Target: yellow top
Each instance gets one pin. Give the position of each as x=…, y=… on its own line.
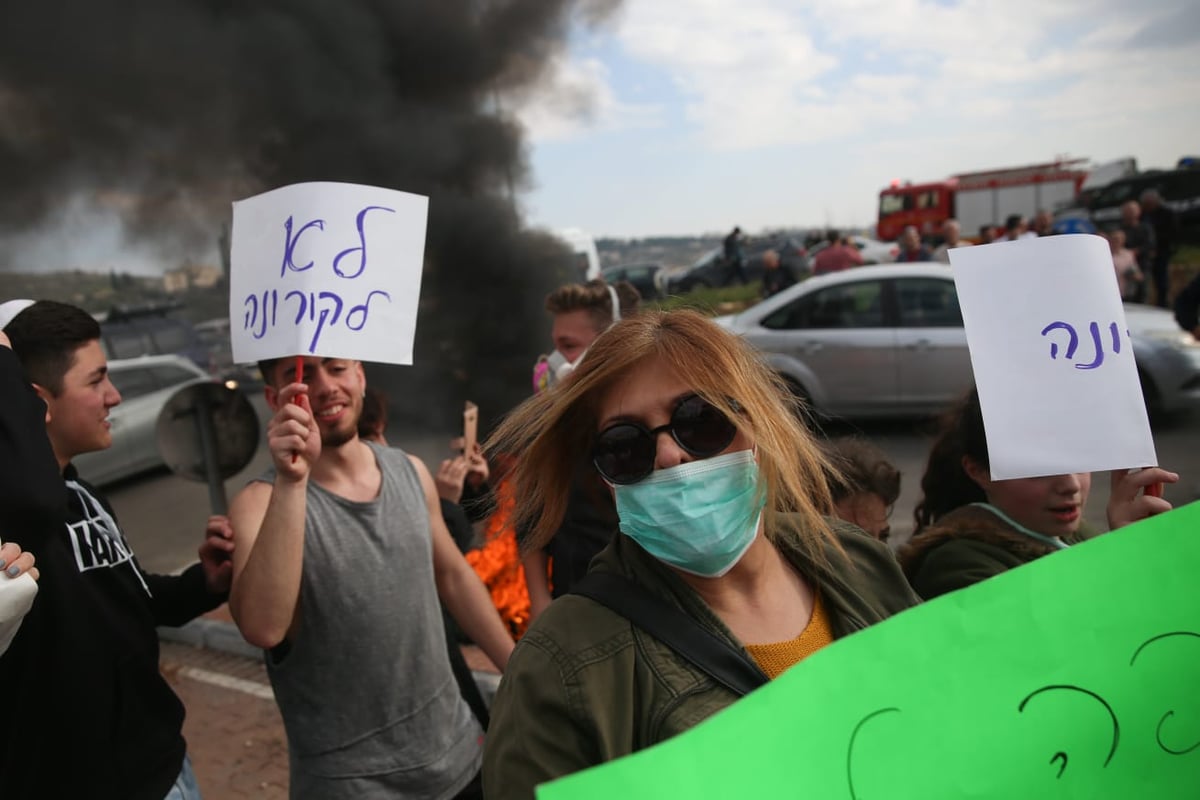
x=773, y=659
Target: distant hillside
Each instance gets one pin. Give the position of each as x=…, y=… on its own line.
x=96, y=292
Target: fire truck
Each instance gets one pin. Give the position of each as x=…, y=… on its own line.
x=976, y=199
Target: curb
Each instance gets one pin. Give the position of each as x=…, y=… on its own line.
x=223, y=637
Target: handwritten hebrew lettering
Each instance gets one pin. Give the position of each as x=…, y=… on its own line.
x=1066, y=687
x=1177, y=637
x=1073, y=342
x=361, y=249
x=850, y=747
x=1094, y=328
x=289, y=245
x=1071, y=346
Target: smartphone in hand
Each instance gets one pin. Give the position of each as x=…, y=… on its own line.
x=470, y=427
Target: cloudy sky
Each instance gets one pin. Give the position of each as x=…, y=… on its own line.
x=708, y=113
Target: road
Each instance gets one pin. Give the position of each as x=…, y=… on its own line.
x=163, y=515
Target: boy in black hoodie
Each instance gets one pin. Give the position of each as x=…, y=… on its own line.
x=93, y=716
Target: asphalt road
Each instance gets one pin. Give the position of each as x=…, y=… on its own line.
x=163, y=515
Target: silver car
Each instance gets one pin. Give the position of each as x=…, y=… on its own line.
x=888, y=341
x=145, y=385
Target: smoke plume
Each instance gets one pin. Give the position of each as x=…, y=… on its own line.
x=167, y=110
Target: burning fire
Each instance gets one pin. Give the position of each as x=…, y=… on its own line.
x=498, y=564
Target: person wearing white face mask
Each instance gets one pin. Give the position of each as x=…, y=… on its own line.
x=581, y=313
x=695, y=437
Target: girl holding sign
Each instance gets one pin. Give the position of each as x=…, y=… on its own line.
x=694, y=437
x=970, y=527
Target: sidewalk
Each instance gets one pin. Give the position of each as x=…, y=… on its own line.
x=233, y=729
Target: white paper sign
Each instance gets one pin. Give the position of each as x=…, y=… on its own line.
x=326, y=269
x=1052, y=357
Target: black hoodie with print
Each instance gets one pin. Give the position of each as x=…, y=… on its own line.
x=88, y=712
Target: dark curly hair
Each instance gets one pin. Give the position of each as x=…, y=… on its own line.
x=945, y=486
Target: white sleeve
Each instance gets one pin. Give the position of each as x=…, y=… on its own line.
x=16, y=598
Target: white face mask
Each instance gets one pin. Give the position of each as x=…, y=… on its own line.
x=558, y=368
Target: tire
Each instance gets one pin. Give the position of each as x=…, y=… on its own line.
x=802, y=406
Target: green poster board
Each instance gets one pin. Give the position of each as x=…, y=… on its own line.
x=1076, y=676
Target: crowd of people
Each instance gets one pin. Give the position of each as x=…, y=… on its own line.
x=661, y=484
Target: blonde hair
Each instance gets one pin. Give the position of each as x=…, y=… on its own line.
x=595, y=297
x=553, y=431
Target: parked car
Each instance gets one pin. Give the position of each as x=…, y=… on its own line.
x=132, y=331
x=1180, y=190
x=644, y=277
x=888, y=341
x=711, y=269
x=145, y=384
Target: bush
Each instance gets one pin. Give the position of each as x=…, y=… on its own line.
x=723, y=300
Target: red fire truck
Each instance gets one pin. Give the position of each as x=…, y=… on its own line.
x=976, y=199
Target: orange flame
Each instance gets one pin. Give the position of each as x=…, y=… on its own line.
x=498, y=564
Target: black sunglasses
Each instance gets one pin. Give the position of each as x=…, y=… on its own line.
x=625, y=452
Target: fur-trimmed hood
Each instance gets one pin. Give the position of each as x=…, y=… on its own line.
x=978, y=524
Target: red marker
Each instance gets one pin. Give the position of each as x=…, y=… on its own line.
x=300, y=379
x=1154, y=490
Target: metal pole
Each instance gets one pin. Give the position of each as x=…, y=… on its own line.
x=208, y=451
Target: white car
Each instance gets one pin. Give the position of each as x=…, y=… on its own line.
x=888, y=341
x=874, y=251
x=145, y=384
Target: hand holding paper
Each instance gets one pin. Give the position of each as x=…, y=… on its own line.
x=1132, y=497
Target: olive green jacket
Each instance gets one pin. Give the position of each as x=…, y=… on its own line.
x=585, y=686
x=968, y=545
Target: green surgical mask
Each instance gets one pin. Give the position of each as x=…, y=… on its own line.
x=699, y=517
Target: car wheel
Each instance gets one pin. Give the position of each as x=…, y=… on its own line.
x=801, y=404
x=1150, y=394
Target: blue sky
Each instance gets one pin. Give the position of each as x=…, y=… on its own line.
x=765, y=113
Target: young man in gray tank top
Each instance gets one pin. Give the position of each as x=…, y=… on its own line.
x=342, y=555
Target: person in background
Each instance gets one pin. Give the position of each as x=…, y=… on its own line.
x=733, y=248
x=1016, y=227
x=911, y=248
x=1139, y=237
x=863, y=482
x=776, y=277
x=1165, y=224
x=342, y=560
x=970, y=527
x=1043, y=223
x=952, y=232
x=1187, y=307
x=96, y=717
x=692, y=433
x=1125, y=265
x=580, y=314
x=987, y=234
x=839, y=255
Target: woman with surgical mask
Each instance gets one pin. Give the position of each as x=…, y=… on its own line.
x=695, y=439
x=581, y=313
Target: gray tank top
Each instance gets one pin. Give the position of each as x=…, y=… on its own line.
x=366, y=691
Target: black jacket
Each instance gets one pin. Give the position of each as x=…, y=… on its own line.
x=90, y=714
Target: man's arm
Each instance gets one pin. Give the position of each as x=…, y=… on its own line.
x=268, y=528
x=459, y=588
x=178, y=599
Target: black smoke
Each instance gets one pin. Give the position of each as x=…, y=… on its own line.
x=170, y=109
